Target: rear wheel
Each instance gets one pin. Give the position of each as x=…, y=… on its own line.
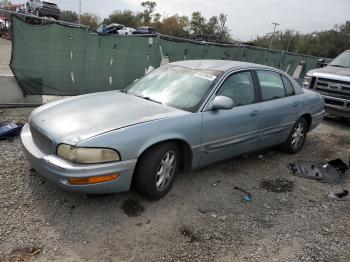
x=156, y=170
x=297, y=137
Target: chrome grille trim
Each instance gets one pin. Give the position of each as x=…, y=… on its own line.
x=339, y=90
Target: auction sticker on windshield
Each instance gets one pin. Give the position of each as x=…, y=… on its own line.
x=206, y=76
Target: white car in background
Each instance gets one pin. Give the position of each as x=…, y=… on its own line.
x=126, y=31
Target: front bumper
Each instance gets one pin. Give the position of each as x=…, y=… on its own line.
x=337, y=106
x=58, y=170
x=339, y=112
x=49, y=12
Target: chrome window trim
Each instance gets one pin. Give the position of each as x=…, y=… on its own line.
x=205, y=105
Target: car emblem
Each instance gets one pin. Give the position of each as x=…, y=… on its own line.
x=335, y=86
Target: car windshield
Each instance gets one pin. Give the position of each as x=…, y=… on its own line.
x=342, y=60
x=175, y=86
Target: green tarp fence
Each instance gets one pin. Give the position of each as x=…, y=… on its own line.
x=59, y=60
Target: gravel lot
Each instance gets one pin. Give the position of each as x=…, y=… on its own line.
x=5, y=57
x=202, y=219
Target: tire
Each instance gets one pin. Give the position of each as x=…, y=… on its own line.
x=149, y=178
x=297, y=137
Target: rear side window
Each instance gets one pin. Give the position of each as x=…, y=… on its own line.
x=271, y=85
x=288, y=86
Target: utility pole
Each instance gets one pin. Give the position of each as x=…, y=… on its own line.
x=274, y=31
x=79, y=10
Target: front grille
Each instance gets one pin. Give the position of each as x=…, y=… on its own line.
x=41, y=140
x=332, y=87
x=333, y=102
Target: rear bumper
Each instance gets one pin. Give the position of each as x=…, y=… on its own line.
x=58, y=170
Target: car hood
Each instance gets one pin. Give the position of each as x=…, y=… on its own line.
x=75, y=119
x=49, y=2
x=332, y=70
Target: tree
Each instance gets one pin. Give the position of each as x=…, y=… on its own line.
x=126, y=17
x=146, y=15
x=172, y=25
x=197, y=23
x=185, y=23
x=328, y=43
x=212, y=27
x=157, y=17
x=69, y=16
x=90, y=20
x=286, y=40
x=223, y=33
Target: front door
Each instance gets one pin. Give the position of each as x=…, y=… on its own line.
x=231, y=132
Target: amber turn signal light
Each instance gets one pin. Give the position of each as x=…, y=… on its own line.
x=92, y=180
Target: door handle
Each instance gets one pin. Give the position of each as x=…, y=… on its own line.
x=254, y=113
x=296, y=104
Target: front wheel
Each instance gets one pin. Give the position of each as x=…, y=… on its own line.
x=297, y=137
x=156, y=170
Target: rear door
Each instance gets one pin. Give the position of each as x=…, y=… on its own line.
x=227, y=133
x=279, y=107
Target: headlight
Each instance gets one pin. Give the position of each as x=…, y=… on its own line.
x=306, y=82
x=86, y=155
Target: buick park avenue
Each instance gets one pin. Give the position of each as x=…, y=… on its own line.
x=181, y=116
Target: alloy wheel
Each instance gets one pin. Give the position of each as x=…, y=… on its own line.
x=298, y=135
x=166, y=170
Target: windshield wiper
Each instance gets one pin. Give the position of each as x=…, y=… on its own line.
x=148, y=98
x=340, y=66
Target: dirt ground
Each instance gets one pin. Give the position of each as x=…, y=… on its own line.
x=202, y=219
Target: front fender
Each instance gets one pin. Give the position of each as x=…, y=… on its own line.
x=132, y=141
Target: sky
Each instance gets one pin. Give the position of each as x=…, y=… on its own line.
x=246, y=18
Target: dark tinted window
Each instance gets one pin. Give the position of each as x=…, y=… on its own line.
x=271, y=85
x=288, y=86
x=240, y=88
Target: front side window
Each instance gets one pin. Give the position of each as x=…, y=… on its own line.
x=176, y=86
x=271, y=85
x=240, y=88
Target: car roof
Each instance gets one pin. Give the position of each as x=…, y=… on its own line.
x=218, y=65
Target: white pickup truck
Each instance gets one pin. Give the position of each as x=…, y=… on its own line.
x=333, y=82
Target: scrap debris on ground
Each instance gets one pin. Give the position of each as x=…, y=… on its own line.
x=331, y=172
x=289, y=219
x=10, y=129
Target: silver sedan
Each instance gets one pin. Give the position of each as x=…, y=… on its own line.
x=181, y=116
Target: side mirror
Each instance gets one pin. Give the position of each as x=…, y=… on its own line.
x=321, y=62
x=222, y=102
